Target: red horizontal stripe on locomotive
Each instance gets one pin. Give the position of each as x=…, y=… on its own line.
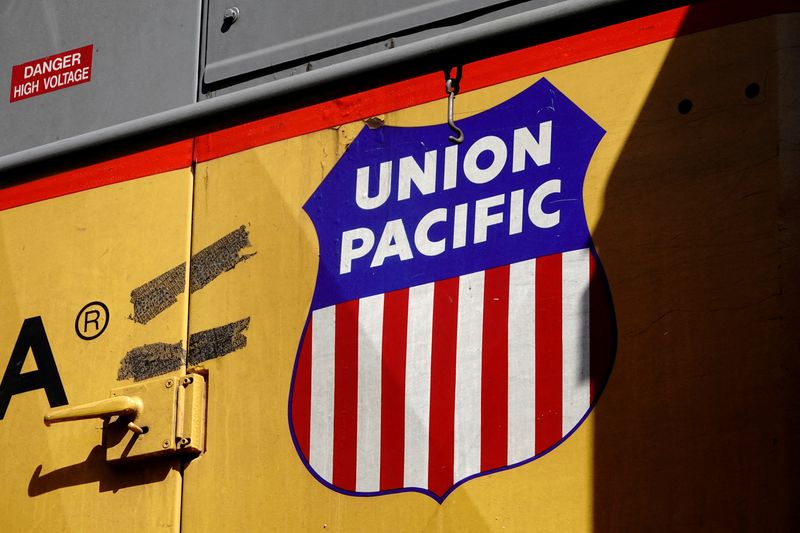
x=427, y=386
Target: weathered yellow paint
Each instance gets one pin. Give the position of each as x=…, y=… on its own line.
x=695, y=217
x=693, y=430
x=55, y=257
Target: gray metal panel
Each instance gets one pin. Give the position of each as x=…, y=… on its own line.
x=145, y=62
x=326, y=82
x=269, y=34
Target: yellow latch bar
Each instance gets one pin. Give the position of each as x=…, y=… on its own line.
x=165, y=414
x=121, y=406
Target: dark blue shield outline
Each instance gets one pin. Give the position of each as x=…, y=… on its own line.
x=530, y=205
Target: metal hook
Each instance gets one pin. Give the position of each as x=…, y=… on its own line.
x=452, y=87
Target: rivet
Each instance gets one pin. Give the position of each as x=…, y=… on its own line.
x=165, y=444
x=185, y=441
x=168, y=384
x=187, y=380
x=231, y=15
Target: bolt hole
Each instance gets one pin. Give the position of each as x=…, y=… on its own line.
x=145, y=429
x=752, y=90
x=684, y=106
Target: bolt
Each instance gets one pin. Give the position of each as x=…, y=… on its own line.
x=231, y=15
x=165, y=444
x=168, y=384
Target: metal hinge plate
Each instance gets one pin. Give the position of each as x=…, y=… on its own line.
x=172, y=420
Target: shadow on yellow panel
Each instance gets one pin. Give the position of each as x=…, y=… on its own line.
x=698, y=426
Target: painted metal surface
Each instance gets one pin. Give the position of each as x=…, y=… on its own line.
x=197, y=116
x=449, y=332
x=55, y=256
x=690, y=199
x=689, y=240
x=144, y=62
x=277, y=35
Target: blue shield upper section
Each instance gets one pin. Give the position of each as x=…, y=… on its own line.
x=405, y=206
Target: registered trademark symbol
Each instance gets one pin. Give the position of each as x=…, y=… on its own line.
x=91, y=321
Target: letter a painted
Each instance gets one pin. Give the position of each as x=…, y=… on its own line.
x=32, y=338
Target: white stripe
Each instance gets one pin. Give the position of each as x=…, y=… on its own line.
x=370, y=337
x=323, y=333
x=418, y=386
x=575, y=330
x=469, y=334
x=521, y=361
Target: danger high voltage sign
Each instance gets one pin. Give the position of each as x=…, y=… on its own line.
x=51, y=73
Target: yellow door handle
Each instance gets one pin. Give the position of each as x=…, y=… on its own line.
x=166, y=415
x=123, y=406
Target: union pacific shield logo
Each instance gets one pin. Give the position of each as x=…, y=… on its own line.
x=461, y=323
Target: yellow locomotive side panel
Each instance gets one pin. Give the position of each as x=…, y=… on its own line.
x=685, y=208
x=625, y=199
x=56, y=257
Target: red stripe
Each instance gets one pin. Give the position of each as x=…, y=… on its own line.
x=301, y=395
x=547, y=56
x=548, y=351
x=600, y=329
x=443, y=385
x=513, y=65
x=494, y=369
x=345, y=400
x=155, y=161
x=537, y=59
x=393, y=388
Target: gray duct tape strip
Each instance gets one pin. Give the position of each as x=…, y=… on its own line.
x=158, y=294
x=150, y=360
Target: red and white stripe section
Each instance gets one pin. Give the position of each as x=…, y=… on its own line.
x=423, y=387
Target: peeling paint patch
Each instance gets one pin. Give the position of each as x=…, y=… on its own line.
x=157, y=295
x=217, y=342
x=152, y=360
x=374, y=123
